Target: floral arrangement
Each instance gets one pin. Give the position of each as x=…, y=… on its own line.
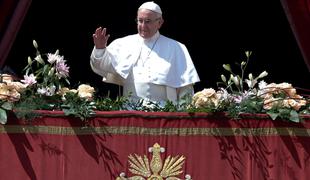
x=277, y=100
x=46, y=87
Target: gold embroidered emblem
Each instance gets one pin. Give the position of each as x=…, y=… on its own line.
x=154, y=170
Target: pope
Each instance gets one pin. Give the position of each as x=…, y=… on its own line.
x=148, y=65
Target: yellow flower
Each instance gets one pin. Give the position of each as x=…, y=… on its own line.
x=206, y=97
x=62, y=91
x=291, y=99
x=18, y=86
x=9, y=92
x=4, y=91
x=85, y=91
x=6, y=78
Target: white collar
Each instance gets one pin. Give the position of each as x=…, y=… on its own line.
x=151, y=39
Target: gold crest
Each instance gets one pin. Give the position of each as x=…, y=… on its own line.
x=156, y=169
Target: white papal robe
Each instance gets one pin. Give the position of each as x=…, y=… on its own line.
x=157, y=69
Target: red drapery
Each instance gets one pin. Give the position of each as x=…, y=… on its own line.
x=215, y=147
x=12, y=14
x=298, y=14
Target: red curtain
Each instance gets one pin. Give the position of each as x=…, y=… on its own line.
x=298, y=14
x=214, y=146
x=12, y=13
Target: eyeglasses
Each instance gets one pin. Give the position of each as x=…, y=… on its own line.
x=146, y=21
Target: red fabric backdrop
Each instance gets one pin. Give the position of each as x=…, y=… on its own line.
x=298, y=14
x=215, y=147
x=12, y=13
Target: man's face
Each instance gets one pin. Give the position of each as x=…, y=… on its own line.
x=148, y=22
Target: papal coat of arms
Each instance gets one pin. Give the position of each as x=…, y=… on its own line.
x=156, y=169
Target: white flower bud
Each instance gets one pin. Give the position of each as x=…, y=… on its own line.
x=248, y=53
x=243, y=63
x=35, y=44
x=39, y=59
x=223, y=78
x=249, y=83
x=51, y=72
x=29, y=60
x=235, y=80
x=263, y=74
x=250, y=76
x=231, y=77
x=227, y=67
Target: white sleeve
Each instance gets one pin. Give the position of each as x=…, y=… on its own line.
x=100, y=62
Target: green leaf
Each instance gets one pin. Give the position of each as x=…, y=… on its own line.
x=7, y=106
x=69, y=112
x=294, y=116
x=3, y=116
x=273, y=115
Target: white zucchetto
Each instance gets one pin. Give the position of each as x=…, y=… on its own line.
x=151, y=6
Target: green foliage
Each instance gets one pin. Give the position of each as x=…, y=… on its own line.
x=5, y=106
x=30, y=101
x=251, y=104
x=170, y=107
x=109, y=104
x=77, y=106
